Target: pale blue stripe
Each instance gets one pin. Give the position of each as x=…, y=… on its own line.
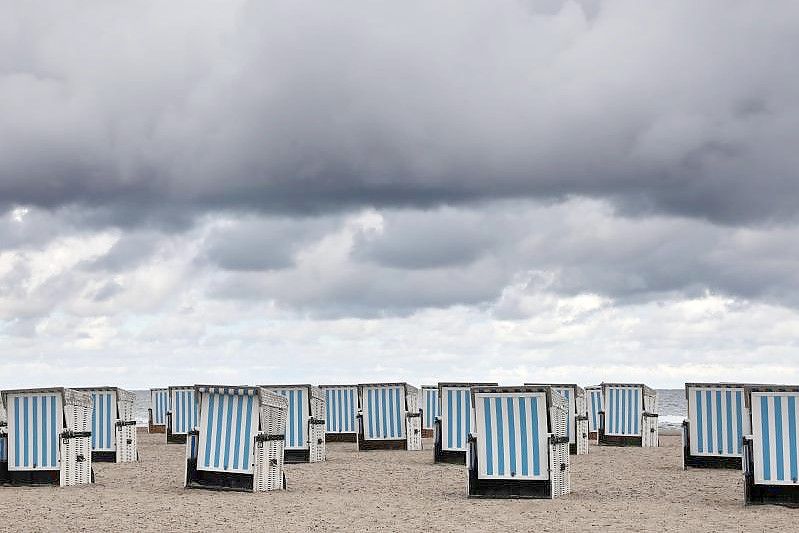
x=764, y=428
x=460, y=421
x=35, y=408
x=16, y=431
x=218, y=446
x=511, y=437
x=719, y=424
x=398, y=412
x=523, y=434
x=291, y=414
x=228, y=430
x=54, y=435
x=709, y=403
x=449, y=418
x=500, y=438
x=700, y=445
x=792, y=436
x=778, y=444
x=209, y=429
x=371, y=413
x=391, y=412
x=383, y=408
x=247, y=434
x=488, y=433
x=728, y=397
x=534, y=420
x=237, y=442
x=739, y=412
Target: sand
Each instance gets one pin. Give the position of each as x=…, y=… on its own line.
x=614, y=489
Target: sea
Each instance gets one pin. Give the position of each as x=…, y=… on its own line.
x=671, y=403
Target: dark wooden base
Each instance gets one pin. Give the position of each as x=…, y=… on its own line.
x=428, y=433
x=152, y=428
x=172, y=438
x=697, y=461
x=341, y=437
x=200, y=479
x=618, y=440
x=394, y=444
x=296, y=456
x=592, y=435
x=104, y=457
x=449, y=457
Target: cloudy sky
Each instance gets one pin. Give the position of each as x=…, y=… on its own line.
x=300, y=191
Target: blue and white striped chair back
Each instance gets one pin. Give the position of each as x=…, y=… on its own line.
x=457, y=418
x=719, y=420
x=430, y=407
x=104, y=414
x=383, y=412
x=595, y=405
x=229, y=420
x=623, y=410
x=183, y=406
x=512, y=433
x=341, y=409
x=297, y=417
x=159, y=404
x=35, y=421
x=775, y=425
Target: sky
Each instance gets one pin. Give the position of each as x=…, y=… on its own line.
x=269, y=191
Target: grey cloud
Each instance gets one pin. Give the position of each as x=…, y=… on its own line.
x=297, y=108
x=262, y=244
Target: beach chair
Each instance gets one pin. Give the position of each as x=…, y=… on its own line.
x=47, y=437
x=595, y=406
x=156, y=413
x=771, y=452
x=718, y=418
x=113, y=425
x=238, y=443
x=630, y=415
x=389, y=418
x=181, y=415
x=519, y=447
x=341, y=412
x=577, y=421
x=431, y=409
x=305, y=424
x=453, y=425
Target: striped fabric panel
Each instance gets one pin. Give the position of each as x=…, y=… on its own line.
x=512, y=436
x=341, y=409
x=3, y=448
x=775, y=425
x=595, y=405
x=431, y=407
x=457, y=418
x=104, y=413
x=34, y=422
x=568, y=393
x=718, y=420
x=623, y=411
x=297, y=416
x=183, y=406
x=158, y=403
x=384, y=412
x=228, y=424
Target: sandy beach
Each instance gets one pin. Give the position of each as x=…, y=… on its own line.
x=614, y=489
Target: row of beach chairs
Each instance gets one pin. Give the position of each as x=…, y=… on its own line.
x=514, y=441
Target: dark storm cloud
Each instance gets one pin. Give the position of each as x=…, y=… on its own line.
x=163, y=112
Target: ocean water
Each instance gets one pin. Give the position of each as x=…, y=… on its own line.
x=671, y=403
